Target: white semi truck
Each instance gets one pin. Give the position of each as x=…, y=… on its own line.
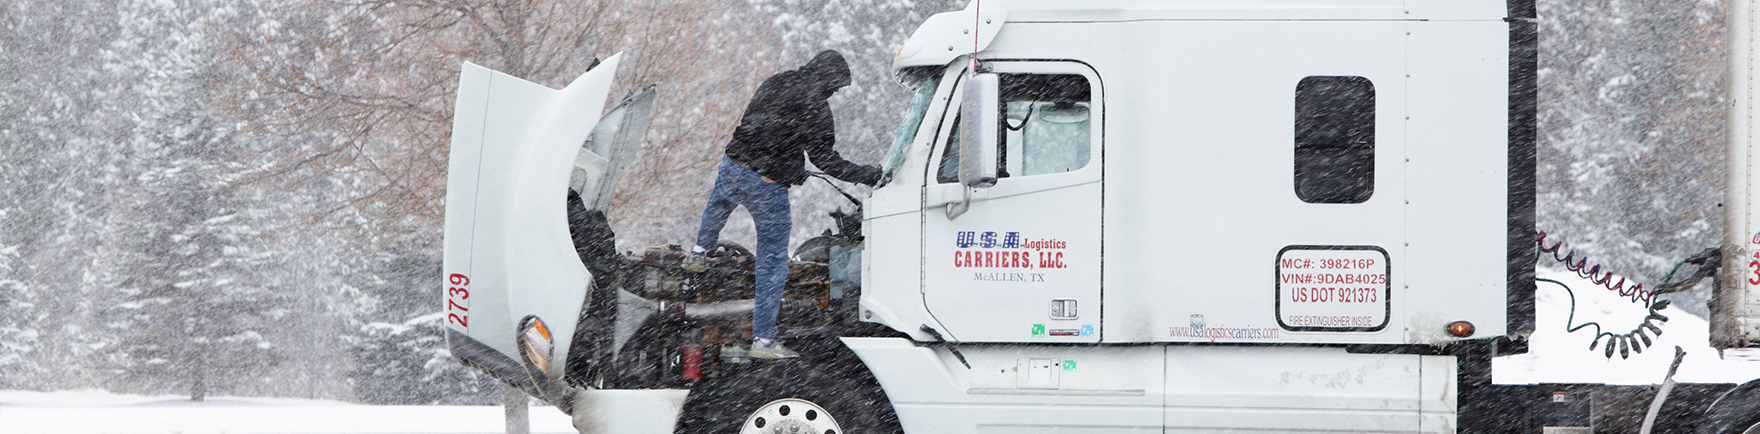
x=1103, y=216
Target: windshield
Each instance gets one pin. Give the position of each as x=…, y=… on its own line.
x=913, y=118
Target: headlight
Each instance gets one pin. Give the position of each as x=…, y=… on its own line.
x=535, y=343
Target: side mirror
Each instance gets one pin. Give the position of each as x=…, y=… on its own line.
x=979, y=113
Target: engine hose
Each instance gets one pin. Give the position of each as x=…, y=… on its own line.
x=1629, y=342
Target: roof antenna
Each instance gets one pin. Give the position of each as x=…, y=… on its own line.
x=977, y=12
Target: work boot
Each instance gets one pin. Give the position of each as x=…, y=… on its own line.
x=771, y=350
x=696, y=262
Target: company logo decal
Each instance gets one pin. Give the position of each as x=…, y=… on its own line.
x=1197, y=330
x=1007, y=250
x=1215, y=333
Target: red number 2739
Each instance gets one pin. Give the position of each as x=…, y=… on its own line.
x=458, y=289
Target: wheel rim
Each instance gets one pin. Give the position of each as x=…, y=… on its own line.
x=791, y=416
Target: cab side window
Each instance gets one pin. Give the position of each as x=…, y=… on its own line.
x=1335, y=139
x=949, y=171
x=1045, y=127
x=1045, y=122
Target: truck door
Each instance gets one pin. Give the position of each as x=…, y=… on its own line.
x=1020, y=260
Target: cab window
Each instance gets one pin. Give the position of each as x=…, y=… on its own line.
x=1046, y=123
x=949, y=171
x=1045, y=127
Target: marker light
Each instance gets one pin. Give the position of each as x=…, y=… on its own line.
x=1460, y=329
x=537, y=344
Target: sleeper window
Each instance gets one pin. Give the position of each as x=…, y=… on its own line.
x=1335, y=139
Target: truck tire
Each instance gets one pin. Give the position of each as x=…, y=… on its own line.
x=828, y=395
x=1736, y=412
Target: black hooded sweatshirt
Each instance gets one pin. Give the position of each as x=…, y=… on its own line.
x=788, y=116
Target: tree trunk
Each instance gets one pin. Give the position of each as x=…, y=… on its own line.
x=198, y=387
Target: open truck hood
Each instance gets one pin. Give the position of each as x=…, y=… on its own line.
x=515, y=147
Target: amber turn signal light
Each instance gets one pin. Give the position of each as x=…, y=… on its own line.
x=1460, y=329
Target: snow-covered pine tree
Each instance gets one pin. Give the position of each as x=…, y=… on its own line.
x=17, y=338
x=409, y=364
x=399, y=346
x=196, y=311
x=66, y=97
x=359, y=111
x=187, y=246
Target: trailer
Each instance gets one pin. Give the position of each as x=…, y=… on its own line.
x=1105, y=216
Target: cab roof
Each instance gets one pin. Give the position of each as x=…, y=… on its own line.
x=1140, y=10
x=947, y=36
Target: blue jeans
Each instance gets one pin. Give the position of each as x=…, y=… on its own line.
x=768, y=203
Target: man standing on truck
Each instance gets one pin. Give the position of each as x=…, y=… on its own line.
x=788, y=116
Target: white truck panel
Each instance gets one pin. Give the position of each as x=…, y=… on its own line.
x=508, y=250
x=982, y=288
x=641, y=411
x=1180, y=196
x=1174, y=139
x=891, y=275
x=1735, y=314
x=948, y=35
x=1189, y=388
x=486, y=131
x=1292, y=389
x=1098, y=389
x=892, y=278
x=1447, y=10
x=1458, y=166
x=1125, y=10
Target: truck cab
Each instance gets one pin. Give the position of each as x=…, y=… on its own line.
x=1100, y=216
x=1202, y=217
x=1256, y=174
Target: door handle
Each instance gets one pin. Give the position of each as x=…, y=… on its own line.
x=942, y=196
x=956, y=209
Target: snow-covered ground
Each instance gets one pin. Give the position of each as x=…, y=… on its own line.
x=97, y=412
x=1555, y=356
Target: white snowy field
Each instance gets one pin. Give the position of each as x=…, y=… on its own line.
x=1555, y=356
x=98, y=412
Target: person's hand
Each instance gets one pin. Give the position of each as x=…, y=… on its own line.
x=875, y=178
